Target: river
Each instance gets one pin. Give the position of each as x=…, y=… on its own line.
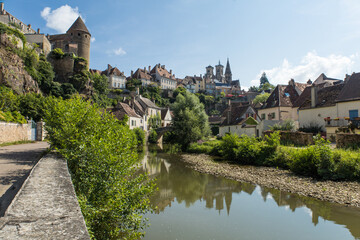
x=191, y=205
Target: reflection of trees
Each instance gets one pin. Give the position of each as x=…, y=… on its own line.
x=332, y=212
x=185, y=185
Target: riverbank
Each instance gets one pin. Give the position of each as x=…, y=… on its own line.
x=347, y=193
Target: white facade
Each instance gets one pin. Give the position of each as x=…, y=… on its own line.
x=237, y=129
x=135, y=122
x=167, y=83
x=117, y=81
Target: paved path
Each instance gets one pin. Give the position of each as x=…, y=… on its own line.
x=46, y=206
x=16, y=162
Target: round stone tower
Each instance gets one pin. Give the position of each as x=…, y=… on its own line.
x=80, y=35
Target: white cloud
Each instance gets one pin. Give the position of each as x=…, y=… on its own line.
x=119, y=52
x=92, y=39
x=60, y=19
x=310, y=67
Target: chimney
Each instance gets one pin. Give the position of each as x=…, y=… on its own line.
x=149, y=68
x=347, y=77
x=144, y=69
x=200, y=75
x=38, y=31
x=292, y=82
x=1, y=7
x=137, y=91
x=29, y=26
x=163, y=66
x=314, y=96
x=132, y=73
x=170, y=71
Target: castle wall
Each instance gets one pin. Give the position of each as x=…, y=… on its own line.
x=63, y=68
x=40, y=40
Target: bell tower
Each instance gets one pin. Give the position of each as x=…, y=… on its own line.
x=228, y=74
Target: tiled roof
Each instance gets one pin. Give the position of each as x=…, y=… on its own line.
x=236, y=114
x=161, y=70
x=326, y=97
x=306, y=94
x=282, y=96
x=112, y=71
x=216, y=119
x=142, y=74
x=123, y=109
x=145, y=102
x=351, y=90
x=79, y=25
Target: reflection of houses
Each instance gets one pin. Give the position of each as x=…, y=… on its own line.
x=239, y=119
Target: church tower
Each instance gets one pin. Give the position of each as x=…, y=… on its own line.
x=209, y=72
x=228, y=74
x=80, y=35
x=219, y=72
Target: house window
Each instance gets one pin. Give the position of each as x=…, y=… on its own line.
x=353, y=114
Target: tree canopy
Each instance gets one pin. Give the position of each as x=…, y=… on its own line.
x=190, y=121
x=261, y=98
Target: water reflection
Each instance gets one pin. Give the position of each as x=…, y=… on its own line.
x=181, y=184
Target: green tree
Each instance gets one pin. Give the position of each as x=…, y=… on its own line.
x=253, y=89
x=100, y=83
x=32, y=105
x=190, y=121
x=266, y=86
x=45, y=76
x=132, y=84
x=8, y=100
x=101, y=156
x=261, y=98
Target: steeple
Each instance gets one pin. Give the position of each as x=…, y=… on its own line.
x=228, y=74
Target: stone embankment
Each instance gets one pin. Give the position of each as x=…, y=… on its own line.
x=339, y=192
x=46, y=206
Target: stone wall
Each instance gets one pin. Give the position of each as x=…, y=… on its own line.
x=347, y=139
x=12, y=132
x=296, y=138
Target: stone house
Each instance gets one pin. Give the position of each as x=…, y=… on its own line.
x=279, y=105
x=166, y=117
x=117, y=79
x=165, y=79
x=194, y=83
x=145, y=108
x=144, y=76
x=239, y=119
x=331, y=106
x=134, y=120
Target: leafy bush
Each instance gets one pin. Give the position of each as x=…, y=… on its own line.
x=14, y=117
x=311, y=128
x=101, y=156
x=229, y=146
x=153, y=136
x=140, y=136
x=287, y=125
x=57, y=53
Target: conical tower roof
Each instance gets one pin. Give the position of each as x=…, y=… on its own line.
x=228, y=70
x=79, y=25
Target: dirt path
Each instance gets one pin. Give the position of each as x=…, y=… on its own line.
x=16, y=162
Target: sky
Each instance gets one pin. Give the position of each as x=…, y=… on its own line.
x=297, y=39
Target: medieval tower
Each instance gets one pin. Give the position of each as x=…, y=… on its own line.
x=219, y=72
x=76, y=40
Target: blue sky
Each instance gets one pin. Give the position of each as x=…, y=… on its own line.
x=297, y=39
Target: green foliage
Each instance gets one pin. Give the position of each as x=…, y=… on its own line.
x=153, y=136
x=190, y=122
x=8, y=100
x=11, y=31
x=287, y=125
x=100, y=83
x=261, y=98
x=14, y=117
x=214, y=112
x=140, y=136
x=179, y=90
x=79, y=80
x=101, y=155
x=155, y=121
x=32, y=105
x=132, y=84
x=311, y=128
x=57, y=53
x=154, y=94
x=251, y=121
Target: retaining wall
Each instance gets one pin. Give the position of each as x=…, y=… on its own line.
x=347, y=139
x=12, y=132
x=297, y=138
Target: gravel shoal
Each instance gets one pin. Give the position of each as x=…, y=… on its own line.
x=347, y=193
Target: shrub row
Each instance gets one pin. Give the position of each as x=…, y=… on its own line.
x=317, y=160
x=101, y=154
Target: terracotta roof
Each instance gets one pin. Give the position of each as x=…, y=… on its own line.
x=326, y=97
x=282, y=96
x=351, y=90
x=79, y=25
x=142, y=74
x=161, y=70
x=123, y=109
x=216, y=119
x=95, y=71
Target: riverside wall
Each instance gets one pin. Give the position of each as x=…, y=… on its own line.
x=46, y=206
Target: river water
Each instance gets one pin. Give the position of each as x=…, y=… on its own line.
x=191, y=205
